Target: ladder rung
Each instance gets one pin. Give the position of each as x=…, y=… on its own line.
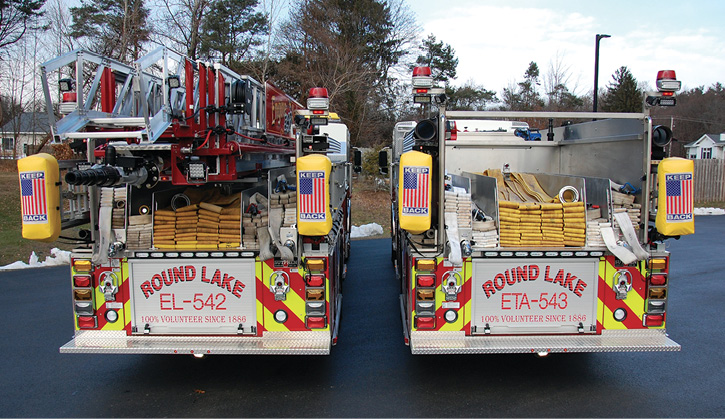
x=106, y=134
x=119, y=121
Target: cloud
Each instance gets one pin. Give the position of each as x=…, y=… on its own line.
x=495, y=44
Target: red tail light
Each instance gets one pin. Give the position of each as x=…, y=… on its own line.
x=83, y=281
x=421, y=90
x=70, y=97
x=315, y=322
x=658, y=280
x=86, y=322
x=426, y=280
x=425, y=322
x=654, y=320
x=315, y=280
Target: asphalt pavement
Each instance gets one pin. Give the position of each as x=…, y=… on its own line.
x=370, y=372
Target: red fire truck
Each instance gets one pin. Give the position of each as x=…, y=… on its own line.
x=504, y=245
x=218, y=215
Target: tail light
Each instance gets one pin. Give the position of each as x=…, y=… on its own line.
x=315, y=280
x=654, y=320
x=426, y=280
x=656, y=303
x=82, y=281
x=315, y=304
x=658, y=280
x=316, y=322
x=87, y=322
x=425, y=322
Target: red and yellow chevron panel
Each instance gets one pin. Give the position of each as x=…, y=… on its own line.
x=635, y=302
x=461, y=306
x=121, y=303
x=294, y=303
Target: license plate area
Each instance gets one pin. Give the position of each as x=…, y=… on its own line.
x=534, y=296
x=193, y=296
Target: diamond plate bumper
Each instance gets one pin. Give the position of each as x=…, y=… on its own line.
x=429, y=342
x=271, y=343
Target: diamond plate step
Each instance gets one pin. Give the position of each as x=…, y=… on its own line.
x=271, y=343
x=429, y=342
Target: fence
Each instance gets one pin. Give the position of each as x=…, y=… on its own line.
x=709, y=180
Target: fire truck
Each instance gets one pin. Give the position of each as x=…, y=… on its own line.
x=504, y=245
x=218, y=213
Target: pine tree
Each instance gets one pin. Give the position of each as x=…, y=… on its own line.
x=622, y=93
x=440, y=57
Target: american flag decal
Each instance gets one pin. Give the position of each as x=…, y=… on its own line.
x=678, y=188
x=32, y=197
x=312, y=195
x=416, y=185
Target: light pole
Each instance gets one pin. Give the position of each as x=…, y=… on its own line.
x=596, y=68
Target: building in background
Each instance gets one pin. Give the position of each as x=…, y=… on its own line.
x=24, y=135
x=709, y=146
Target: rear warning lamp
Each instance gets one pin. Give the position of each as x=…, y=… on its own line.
x=82, y=265
x=656, y=307
x=315, y=322
x=426, y=280
x=425, y=295
x=82, y=281
x=83, y=295
x=315, y=309
x=315, y=280
x=654, y=320
x=657, y=293
x=87, y=322
x=315, y=295
x=84, y=308
x=315, y=264
x=658, y=264
x=658, y=280
x=425, y=264
x=425, y=322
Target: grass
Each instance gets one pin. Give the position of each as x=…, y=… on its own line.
x=370, y=204
x=12, y=244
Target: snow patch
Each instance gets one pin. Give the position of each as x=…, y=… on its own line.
x=366, y=230
x=57, y=257
x=709, y=211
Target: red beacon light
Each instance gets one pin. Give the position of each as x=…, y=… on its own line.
x=318, y=100
x=422, y=79
x=667, y=82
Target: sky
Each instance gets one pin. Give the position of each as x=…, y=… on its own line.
x=495, y=40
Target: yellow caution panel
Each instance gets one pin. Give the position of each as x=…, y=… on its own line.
x=40, y=197
x=675, y=200
x=414, y=191
x=313, y=195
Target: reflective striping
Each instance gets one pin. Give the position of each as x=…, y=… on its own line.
x=601, y=294
x=261, y=321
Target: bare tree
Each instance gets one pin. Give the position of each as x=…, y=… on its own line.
x=178, y=24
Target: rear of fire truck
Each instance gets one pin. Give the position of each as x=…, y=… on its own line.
x=510, y=246
x=218, y=224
